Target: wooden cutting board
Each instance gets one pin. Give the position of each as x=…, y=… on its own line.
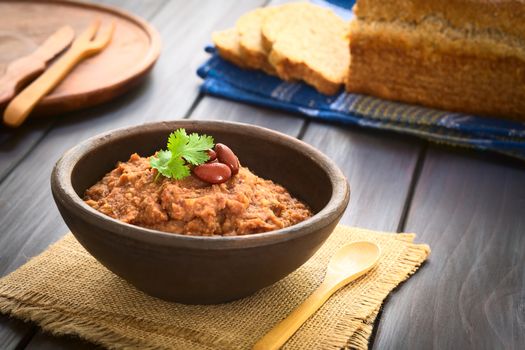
x=133, y=51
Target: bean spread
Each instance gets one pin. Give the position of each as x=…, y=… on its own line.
x=223, y=199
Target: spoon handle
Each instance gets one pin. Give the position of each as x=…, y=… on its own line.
x=276, y=337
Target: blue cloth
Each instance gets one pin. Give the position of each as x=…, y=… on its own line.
x=229, y=81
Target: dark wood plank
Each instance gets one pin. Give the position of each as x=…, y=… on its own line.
x=217, y=109
x=379, y=167
x=143, y=8
x=14, y=333
x=168, y=94
x=471, y=293
x=16, y=143
x=45, y=341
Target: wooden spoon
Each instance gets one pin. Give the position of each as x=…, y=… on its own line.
x=349, y=262
x=85, y=45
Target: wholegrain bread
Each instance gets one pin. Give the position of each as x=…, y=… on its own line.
x=459, y=55
x=227, y=44
x=504, y=16
x=249, y=28
x=307, y=42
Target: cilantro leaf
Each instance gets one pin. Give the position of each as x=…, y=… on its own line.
x=177, y=169
x=182, y=148
x=195, y=151
x=160, y=162
x=177, y=141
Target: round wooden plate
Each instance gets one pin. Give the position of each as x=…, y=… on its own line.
x=133, y=51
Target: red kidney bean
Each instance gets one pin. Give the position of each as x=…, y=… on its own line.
x=225, y=155
x=212, y=155
x=213, y=173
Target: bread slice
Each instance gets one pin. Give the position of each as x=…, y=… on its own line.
x=249, y=28
x=308, y=43
x=242, y=45
x=468, y=56
x=227, y=43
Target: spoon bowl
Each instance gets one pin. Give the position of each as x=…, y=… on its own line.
x=349, y=263
x=352, y=261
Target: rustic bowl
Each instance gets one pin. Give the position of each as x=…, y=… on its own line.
x=193, y=269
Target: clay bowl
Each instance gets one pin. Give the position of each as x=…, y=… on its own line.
x=201, y=270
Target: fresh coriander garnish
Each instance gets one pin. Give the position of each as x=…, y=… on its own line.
x=183, y=149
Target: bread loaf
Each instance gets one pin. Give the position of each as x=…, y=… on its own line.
x=459, y=55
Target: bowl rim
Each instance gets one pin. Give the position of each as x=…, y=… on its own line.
x=63, y=192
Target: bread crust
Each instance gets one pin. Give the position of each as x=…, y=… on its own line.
x=435, y=70
x=503, y=16
x=250, y=39
x=227, y=43
x=293, y=70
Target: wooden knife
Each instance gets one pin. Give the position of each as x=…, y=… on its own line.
x=24, y=69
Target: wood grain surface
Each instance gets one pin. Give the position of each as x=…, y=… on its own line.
x=46, y=341
x=471, y=293
x=212, y=108
x=379, y=168
x=469, y=207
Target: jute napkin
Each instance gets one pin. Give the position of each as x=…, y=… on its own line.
x=66, y=291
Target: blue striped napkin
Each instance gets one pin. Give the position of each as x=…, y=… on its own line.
x=227, y=80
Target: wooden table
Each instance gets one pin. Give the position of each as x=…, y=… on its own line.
x=469, y=206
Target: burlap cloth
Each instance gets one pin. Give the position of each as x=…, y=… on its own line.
x=66, y=291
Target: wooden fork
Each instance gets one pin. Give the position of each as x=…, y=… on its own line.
x=85, y=45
